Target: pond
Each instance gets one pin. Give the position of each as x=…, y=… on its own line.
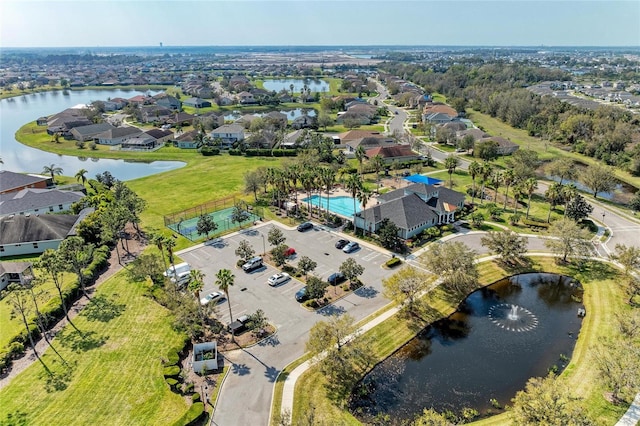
x=298, y=84
x=291, y=114
x=18, y=111
x=501, y=336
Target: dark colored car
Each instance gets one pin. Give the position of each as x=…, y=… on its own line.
x=335, y=278
x=301, y=295
x=341, y=243
x=305, y=226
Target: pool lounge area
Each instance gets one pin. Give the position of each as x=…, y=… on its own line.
x=341, y=205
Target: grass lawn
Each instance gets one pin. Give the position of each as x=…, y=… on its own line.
x=603, y=298
x=116, y=376
x=44, y=293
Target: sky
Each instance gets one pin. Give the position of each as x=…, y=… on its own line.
x=88, y=23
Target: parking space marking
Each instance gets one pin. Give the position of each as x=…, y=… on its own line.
x=296, y=285
x=371, y=256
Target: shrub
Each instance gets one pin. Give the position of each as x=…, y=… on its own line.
x=171, y=371
x=195, y=397
x=394, y=261
x=535, y=223
x=208, y=151
x=235, y=152
x=171, y=382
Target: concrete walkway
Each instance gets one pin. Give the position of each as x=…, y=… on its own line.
x=632, y=416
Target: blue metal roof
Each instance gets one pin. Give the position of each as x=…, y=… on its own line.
x=423, y=179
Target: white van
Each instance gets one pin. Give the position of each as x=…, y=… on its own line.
x=179, y=269
x=183, y=278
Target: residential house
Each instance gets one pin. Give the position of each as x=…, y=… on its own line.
x=15, y=272
x=142, y=142
x=161, y=136
x=155, y=113
x=305, y=122
x=140, y=100
x=14, y=182
x=278, y=119
x=115, y=104
x=246, y=98
x=217, y=118
x=181, y=119
x=505, y=146
x=228, y=133
x=37, y=201
x=187, y=140
x=360, y=118
x=87, y=133
x=117, y=135
x=296, y=138
x=224, y=101
x=438, y=113
x=196, y=102
x=168, y=102
x=246, y=120
x=412, y=209
x=367, y=143
x=392, y=153
x=32, y=234
x=66, y=120
x=475, y=132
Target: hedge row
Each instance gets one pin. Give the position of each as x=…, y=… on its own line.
x=192, y=416
x=52, y=311
x=208, y=151
x=534, y=223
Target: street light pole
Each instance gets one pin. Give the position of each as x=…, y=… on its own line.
x=264, y=247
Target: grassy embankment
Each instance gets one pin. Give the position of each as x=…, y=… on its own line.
x=603, y=298
x=116, y=374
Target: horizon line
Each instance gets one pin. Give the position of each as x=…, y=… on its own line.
x=164, y=46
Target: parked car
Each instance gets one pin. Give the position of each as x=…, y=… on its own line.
x=277, y=279
x=341, y=243
x=336, y=278
x=290, y=252
x=301, y=295
x=251, y=264
x=352, y=246
x=177, y=269
x=239, y=324
x=214, y=297
x=183, y=278
x=305, y=226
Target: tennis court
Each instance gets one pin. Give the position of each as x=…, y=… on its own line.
x=222, y=218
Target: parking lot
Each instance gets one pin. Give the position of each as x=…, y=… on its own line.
x=251, y=291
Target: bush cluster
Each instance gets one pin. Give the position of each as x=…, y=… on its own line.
x=535, y=223
x=394, y=261
x=208, y=151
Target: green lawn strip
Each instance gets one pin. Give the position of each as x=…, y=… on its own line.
x=545, y=150
x=46, y=294
x=121, y=381
x=276, y=403
x=602, y=298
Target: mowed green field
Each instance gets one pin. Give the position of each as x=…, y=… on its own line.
x=116, y=370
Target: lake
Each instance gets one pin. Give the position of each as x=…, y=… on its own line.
x=16, y=112
x=298, y=84
x=501, y=336
x=291, y=114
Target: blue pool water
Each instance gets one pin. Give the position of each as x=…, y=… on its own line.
x=338, y=205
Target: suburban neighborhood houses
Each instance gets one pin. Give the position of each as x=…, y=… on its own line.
x=320, y=235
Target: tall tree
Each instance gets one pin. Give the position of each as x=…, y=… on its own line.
x=158, y=239
x=628, y=257
x=530, y=185
x=359, y=153
x=308, y=180
x=353, y=184
x=451, y=162
x=206, y=225
x=578, y=208
x=276, y=236
x=306, y=265
x=454, y=263
x=51, y=262
x=509, y=246
x=568, y=239
x=598, y=179
x=76, y=256
x=377, y=163
x=81, y=175
x=405, y=288
x=475, y=169
x=553, y=195
x=496, y=180
x=328, y=178
x=224, y=280
x=508, y=177
x=252, y=183
x=245, y=251
x=487, y=169
x=569, y=191
x=52, y=170
x=196, y=283
x=562, y=167
x=351, y=270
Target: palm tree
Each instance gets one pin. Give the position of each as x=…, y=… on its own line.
x=293, y=174
x=169, y=244
x=475, y=169
x=378, y=163
x=224, y=280
x=568, y=192
x=353, y=183
x=80, y=176
x=360, y=156
x=308, y=180
x=496, y=180
x=158, y=239
x=197, y=283
x=451, y=162
x=486, y=171
x=508, y=176
x=52, y=170
x=553, y=194
x=328, y=177
x=530, y=185
x=363, y=197
x=291, y=86
x=518, y=192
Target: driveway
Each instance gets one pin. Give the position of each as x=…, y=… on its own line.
x=245, y=396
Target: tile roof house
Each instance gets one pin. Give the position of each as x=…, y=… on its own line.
x=151, y=113
x=38, y=201
x=15, y=272
x=117, y=135
x=412, y=209
x=393, y=153
x=438, y=113
x=14, y=182
x=368, y=142
x=87, y=133
x=161, y=136
x=168, y=101
x=197, y=102
x=187, y=140
x=228, y=133
x=505, y=146
x=33, y=234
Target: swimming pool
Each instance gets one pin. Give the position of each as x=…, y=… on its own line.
x=339, y=205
